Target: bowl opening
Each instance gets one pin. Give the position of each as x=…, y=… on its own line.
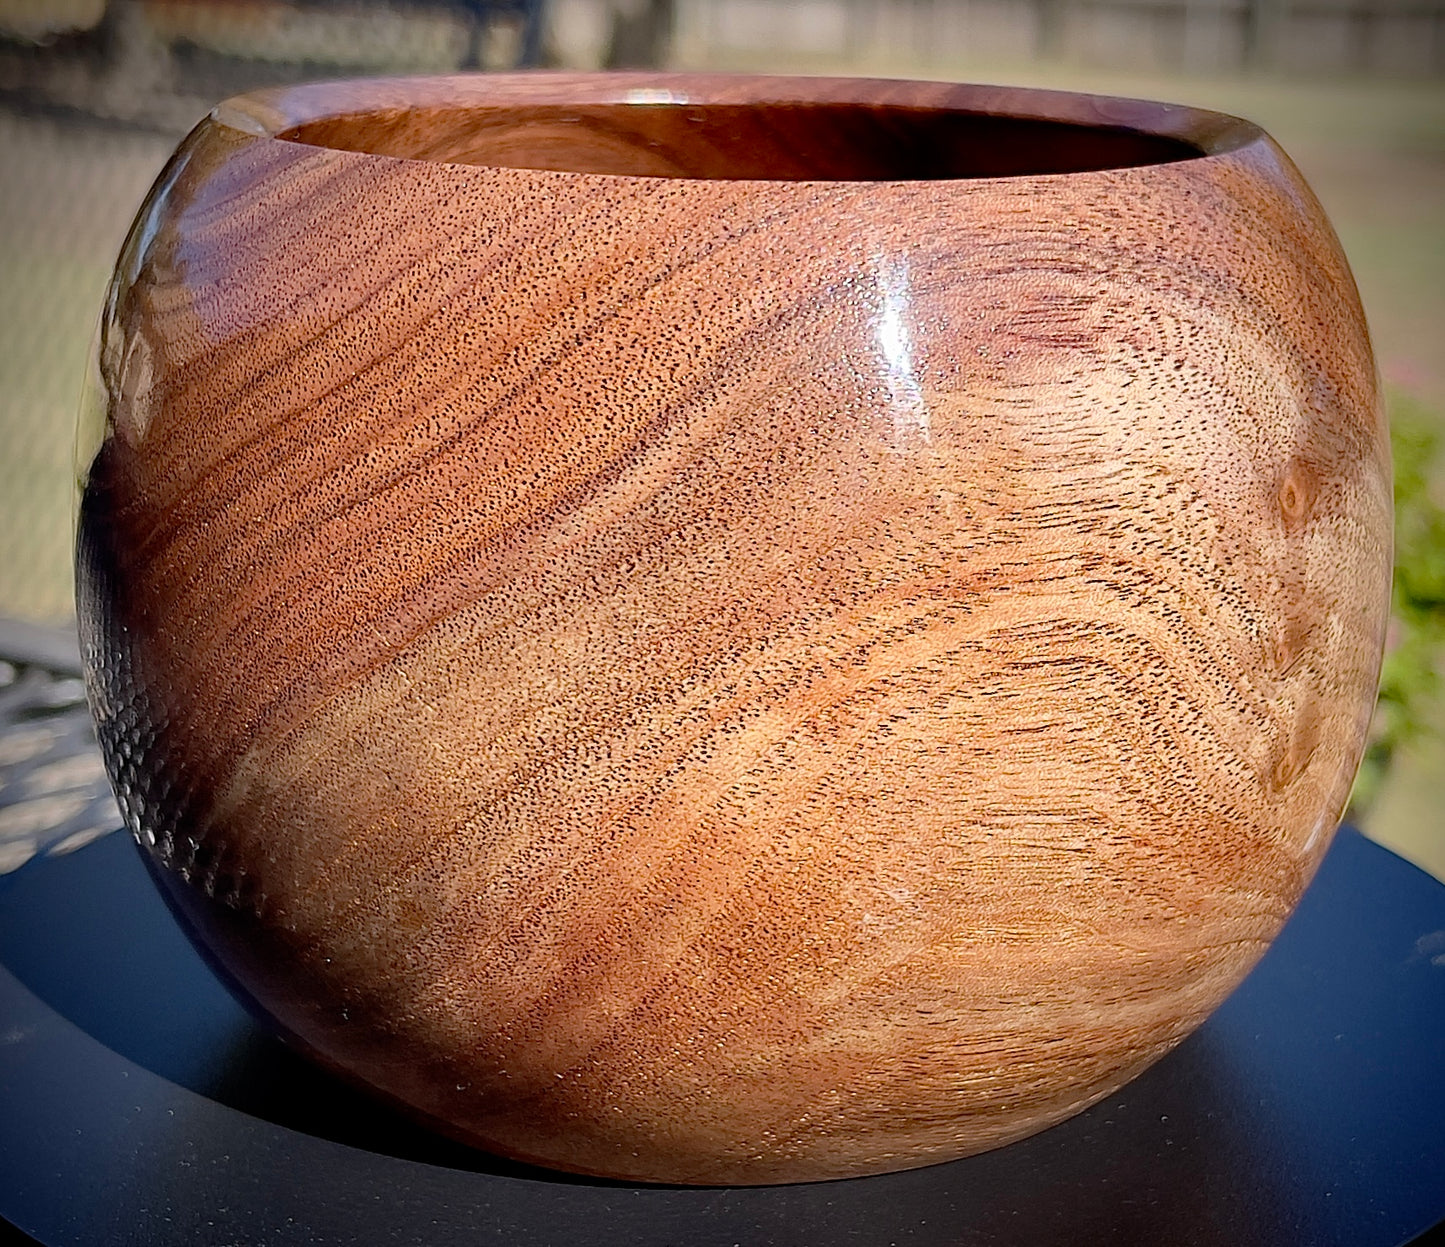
x=791, y=141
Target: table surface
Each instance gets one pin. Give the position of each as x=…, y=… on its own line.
x=140, y=1104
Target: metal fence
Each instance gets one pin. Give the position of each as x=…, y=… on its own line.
x=94, y=93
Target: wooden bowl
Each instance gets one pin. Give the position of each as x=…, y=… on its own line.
x=732, y=630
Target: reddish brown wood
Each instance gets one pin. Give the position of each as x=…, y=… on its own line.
x=720, y=638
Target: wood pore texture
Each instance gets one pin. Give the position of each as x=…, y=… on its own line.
x=727, y=676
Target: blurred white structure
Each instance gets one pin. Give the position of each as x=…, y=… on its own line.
x=1380, y=36
x=1323, y=36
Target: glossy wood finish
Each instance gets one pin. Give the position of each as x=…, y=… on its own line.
x=719, y=679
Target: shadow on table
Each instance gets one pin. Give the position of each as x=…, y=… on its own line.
x=1267, y=1126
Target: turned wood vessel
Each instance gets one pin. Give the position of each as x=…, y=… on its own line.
x=732, y=630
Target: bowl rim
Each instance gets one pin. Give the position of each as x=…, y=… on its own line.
x=272, y=112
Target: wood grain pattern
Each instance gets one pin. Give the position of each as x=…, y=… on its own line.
x=760, y=657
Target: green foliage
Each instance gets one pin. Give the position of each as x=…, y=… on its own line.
x=1410, y=682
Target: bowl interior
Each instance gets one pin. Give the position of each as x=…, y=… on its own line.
x=780, y=141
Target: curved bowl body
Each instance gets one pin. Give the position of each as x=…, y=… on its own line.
x=732, y=630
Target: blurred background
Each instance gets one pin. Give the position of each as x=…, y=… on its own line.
x=94, y=95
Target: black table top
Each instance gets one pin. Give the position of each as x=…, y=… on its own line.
x=140, y=1104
